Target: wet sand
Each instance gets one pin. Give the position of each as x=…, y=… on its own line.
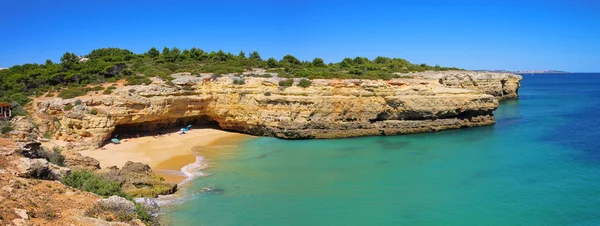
x=166, y=154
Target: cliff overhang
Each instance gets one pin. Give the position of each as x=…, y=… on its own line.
x=329, y=108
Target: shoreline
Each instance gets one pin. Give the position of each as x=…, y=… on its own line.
x=174, y=157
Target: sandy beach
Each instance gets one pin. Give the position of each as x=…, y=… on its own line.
x=166, y=154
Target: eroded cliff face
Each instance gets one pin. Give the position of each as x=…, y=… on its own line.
x=503, y=86
x=327, y=109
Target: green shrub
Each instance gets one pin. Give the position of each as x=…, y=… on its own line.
x=68, y=107
x=267, y=93
x=94, y=112
x=304, y=83
x=138, y=80
x=17, y=109
x=239, y=82
x=142, y=213
x=5, y=127
x=286, y=83
x=70, y=93
x=90, y=182
x=77, y=102
x=50, y=95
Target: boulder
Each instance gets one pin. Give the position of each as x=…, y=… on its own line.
x=40, y=169
x=77, y=161
x=138, y=180
x=30, y=149
x=136, y=167
x=33, y=168
x=116, y=204
x=58, y=172
x=22, y=213
x=22, y=217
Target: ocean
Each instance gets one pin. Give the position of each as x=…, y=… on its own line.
x=539, y=165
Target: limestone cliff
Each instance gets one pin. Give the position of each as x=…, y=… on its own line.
x=503, y=86
x=429, y=101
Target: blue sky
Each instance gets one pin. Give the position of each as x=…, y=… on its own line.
x=509, y=34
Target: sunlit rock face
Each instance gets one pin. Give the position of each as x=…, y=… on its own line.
x=329, y=108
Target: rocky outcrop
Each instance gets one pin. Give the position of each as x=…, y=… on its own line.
x=27, y=200
x=41, y=169
x=114, y=204
x=138, y=180
x=503, y=86
x=76, y=161
x=23, y=129
x=426, y=102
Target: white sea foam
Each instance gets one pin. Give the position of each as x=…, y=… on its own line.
x=191, y=171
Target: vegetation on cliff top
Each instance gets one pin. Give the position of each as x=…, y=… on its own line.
x=75, y=73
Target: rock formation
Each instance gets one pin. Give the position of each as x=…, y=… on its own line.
x=41, y=169
x=335, y=108
x=503, y=86
x=137, y=180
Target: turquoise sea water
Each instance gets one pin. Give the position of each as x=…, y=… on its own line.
x=539, y=165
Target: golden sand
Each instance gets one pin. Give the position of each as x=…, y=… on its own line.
x=168, y=152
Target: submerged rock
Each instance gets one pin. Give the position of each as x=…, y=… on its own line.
x=212, y=190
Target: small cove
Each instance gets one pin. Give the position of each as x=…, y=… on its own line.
x=537, y=166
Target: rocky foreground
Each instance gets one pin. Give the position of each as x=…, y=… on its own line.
x=425, y=102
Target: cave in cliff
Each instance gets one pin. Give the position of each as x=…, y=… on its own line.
x=167, y=125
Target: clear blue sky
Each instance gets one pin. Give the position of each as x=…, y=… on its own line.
x=509, y=34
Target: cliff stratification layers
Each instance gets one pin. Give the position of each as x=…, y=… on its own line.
x=326, y=109
x=503, y=86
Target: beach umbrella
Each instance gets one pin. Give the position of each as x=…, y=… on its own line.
x=115, y=140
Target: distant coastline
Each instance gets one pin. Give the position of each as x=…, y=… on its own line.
x=528, y=71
